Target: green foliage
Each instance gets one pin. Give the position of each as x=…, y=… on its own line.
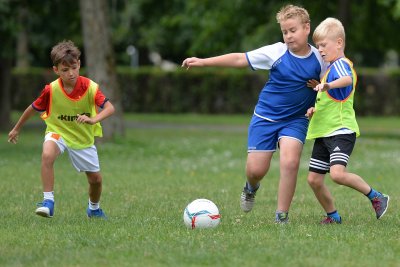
x=158, y=168
x=8, y=28
x=394, y=5
x=181, y=28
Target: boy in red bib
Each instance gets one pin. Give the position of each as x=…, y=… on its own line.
x=69, y=109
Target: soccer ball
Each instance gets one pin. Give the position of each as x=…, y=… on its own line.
x=201, y=213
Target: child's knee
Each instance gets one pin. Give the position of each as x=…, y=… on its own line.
x=94, y=178
x=291, y=165
x=315, y=181
x=337, y=176
x=256, y=173
x=48, y=158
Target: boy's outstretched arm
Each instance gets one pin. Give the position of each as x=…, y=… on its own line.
x=236, y=60
x=107, y=111
x=13, y=134
x=339, y=83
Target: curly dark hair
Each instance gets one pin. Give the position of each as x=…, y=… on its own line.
x=65, y=52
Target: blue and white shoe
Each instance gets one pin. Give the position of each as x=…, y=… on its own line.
x=99, y=213
x=45, y=208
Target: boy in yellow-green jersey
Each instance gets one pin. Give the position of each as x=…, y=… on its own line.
x=69, y=109
x=333, y=124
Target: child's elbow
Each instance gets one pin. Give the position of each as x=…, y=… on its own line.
x=109, y=107
x=112, y=109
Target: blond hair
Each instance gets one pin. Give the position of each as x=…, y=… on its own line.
x=65, y=52
x=329, y=28
x=290, y=12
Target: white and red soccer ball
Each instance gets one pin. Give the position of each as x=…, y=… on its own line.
x=201, y=213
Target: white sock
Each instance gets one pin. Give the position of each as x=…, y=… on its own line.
x=94, y=206
x=48, y=195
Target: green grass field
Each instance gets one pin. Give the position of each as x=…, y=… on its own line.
x=165, y=162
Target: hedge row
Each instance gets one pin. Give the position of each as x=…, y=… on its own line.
x=150, y=90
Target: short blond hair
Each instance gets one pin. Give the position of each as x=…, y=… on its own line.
x=290, y=12
x=329, y=28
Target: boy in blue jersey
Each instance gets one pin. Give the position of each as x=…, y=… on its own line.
x=279, y=116
x=333, y=124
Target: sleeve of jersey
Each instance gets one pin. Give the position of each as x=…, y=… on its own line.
x=100, y=99
x=342, y=69
x=42, y=102
x=263, y=58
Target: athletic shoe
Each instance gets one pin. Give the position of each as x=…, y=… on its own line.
x=330, y=220
x=45, y=208
x=380, y=205
x=247, y=199
x=282, y=217
x=96, y=213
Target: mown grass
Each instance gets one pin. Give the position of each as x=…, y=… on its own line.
x=152, y=173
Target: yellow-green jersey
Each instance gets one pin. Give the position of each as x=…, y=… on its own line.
x=334, y=108
x=62, y=114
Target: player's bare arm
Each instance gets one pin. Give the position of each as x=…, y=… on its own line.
x=13, y=134
x=107, y=111
x=339, y=83
x=236, y=60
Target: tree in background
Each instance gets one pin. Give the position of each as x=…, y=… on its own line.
x=180, y=28
x=100, y=60
x=8, y=30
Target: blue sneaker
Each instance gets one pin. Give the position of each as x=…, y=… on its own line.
x=99, y=213
x=45, y=208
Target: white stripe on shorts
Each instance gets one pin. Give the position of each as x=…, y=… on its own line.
x=339, y=157
x=318, y=164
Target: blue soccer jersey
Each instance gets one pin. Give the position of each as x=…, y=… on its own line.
x=285, y=95
x=338, y=69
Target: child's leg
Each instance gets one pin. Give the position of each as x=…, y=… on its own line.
x=257, y=166
x=95, y=189
x=341, y=176
x=321, y=192
x=49, y=155
x=379, y=201
x=290, y=152
x=95, y=186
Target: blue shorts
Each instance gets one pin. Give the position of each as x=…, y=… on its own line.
x=264, y=135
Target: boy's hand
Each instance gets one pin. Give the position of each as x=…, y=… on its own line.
x=310, y=112
x=192, y=62
x=322, y=87
x=13, y=136
x=84, y=119
x=312, y=83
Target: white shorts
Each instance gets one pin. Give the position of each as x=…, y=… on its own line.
x=84, y=160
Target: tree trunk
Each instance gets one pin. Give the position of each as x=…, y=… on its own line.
x=343, y=12
x=5, y=97
x=99, y=57
x=22, y=60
